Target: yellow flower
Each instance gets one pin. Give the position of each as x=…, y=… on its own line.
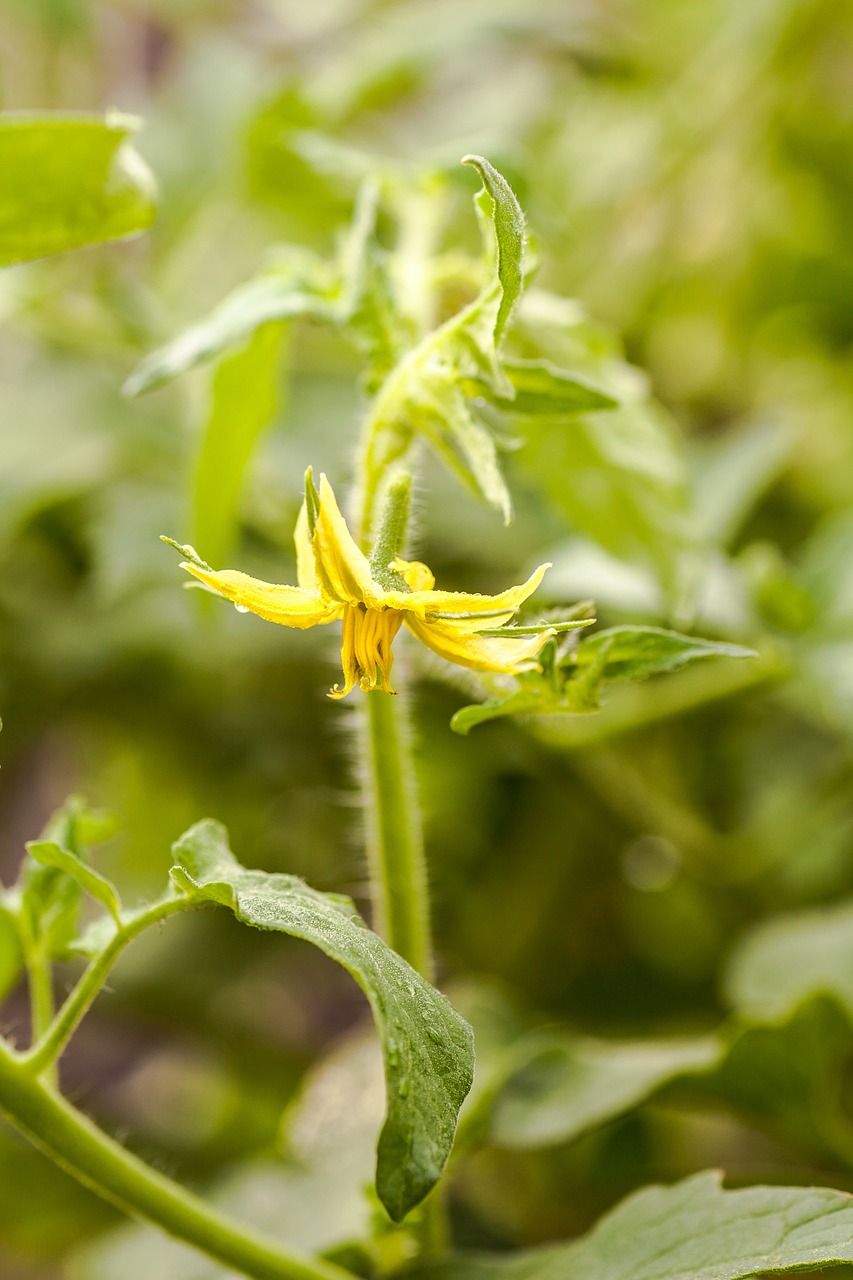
x=336, y=581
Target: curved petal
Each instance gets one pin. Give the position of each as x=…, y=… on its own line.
x=482, y=611
x=306, y=570
x=343, y=571
x=290, y=606
x=482, y=653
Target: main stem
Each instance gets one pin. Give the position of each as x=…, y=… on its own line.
x=77, y=1145
x=398, y=874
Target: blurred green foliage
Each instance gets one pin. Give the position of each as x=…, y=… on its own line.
x=685, y=170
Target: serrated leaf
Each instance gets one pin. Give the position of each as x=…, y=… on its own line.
x=693, y=1230
x=245, y=395
x=618, y=653
x=790, y=958
x=498, y=206
x=50, y=854
x=69, y=181
x=299, y=285
x=467, y=446
x=543, y=389
x=635, y=653
x=572, y=1084
x=427, y=1047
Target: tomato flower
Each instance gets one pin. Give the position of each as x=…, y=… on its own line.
x=337, y=581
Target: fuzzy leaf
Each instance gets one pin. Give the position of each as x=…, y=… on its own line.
x=69, y=181
x=497, y=205
x=575, y=684
x=635, y=653
x=543, y=389
x=298, y=285
x=50, y=854
x=693, y=1230
x=427, y=1047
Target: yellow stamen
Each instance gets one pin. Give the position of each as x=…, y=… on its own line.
x=366, y=653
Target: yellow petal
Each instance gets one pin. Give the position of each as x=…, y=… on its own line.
x=482, y=611
x=306, y=570
x=452, y=641
x=290, y=606
x=343, y=571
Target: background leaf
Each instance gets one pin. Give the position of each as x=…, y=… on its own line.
x=69, y=181
x=571, y=1084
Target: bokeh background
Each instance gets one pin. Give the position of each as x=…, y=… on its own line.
x=686, y=169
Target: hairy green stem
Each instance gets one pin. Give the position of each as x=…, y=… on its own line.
x=79, y=1147
x=42, y=1006
x=54, y=1035
x=395, y=840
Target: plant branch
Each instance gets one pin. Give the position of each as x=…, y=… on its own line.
x=78, y=1146
x=54, y=1035
x=398, y=875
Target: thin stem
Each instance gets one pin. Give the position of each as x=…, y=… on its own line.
x=395, y=840
x=79, y=1147
x=398, y=874
x=42, y=1006
x=55, y=1034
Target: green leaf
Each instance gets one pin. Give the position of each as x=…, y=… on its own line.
x=50, y=854
x=427, y=1047
x=635, y=653
x=543, y=389
x=498, y=207
x=570, y=1084
x=790, y=958
x=70, y=180
x=366, y=307
x=298, y=284
x=788, y=1078
x=693, y=1230
x=466, y=444
x=245, y=395
x=48, y=898
x=574, y=684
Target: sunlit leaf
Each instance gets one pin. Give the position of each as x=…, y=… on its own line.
x=68, y=181
x=299, y=284
x=498, y=205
